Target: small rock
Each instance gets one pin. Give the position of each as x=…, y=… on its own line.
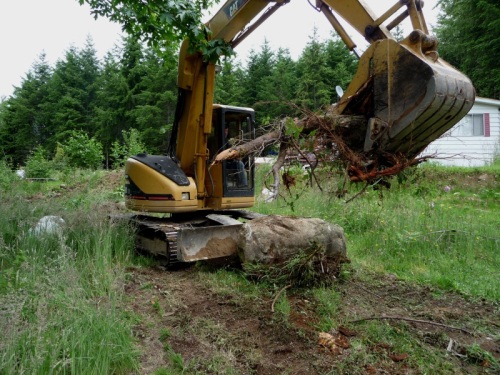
x=48, y=225
x=21, y=173
x=268, y=195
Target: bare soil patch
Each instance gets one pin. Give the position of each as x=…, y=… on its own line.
x=177, y=313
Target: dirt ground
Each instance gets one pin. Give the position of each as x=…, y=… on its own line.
x=213, y=332
x=189, y=326
x=186, y=325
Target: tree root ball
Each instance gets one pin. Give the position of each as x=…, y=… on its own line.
x=274, y=239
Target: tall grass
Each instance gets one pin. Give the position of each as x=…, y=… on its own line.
x=434, y=225
x=61, y=294
x=61, y=302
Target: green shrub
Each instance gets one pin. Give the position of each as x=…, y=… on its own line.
x=132, y=145
x=60, y=161
x=38, y=165
x=7, y=176
x=81, y=151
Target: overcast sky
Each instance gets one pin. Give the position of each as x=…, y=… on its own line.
x=31, y=27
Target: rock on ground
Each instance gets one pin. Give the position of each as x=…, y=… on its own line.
x=49, y=225
x=272, y=239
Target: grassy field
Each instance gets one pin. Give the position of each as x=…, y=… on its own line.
x=434, y=225
x=59, y=291
x=81, y=301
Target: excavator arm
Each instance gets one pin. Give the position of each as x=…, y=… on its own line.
x=411, y=96
x=407, y=93
x=196, y=82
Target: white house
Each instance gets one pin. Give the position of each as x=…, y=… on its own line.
x=474, y=141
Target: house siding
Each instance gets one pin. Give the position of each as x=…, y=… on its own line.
x=471, y=151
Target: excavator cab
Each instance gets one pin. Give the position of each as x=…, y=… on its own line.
x=231, y=179
x=156, y=183
x=198, y=227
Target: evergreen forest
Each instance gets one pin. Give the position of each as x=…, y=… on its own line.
x=125, y=103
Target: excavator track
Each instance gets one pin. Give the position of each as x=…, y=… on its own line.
x=189, y=238
x=157, y=237
x=172, y=257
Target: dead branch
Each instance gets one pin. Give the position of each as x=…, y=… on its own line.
x=357, y=174
x=367, y=290
x=277, y=295
x=358, y=193
x=311, y=166
x=340, y=135
x=275, y=170
x=413, y=321
x=251, y=147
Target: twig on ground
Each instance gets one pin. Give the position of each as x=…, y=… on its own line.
x=414, y=321
x=359, y=193
x=493, y=323
x=367, y=290
x=277, y=295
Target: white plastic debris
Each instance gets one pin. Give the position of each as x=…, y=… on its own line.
x=21, y=173
x=268, y=195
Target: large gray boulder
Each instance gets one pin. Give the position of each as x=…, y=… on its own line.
x=273, y=239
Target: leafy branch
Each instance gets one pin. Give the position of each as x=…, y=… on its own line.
x=162, y=24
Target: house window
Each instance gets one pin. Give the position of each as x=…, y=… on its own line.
x=469, y=126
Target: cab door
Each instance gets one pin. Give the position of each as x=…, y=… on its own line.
x=230, y=184
x=238, y=174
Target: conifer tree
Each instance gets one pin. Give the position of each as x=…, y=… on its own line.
x=260, y=66
x=281, y=86
x=155, y=103
x=73, y=92
x=314, y=88
x=229, y=83
x=25, y=120
x=342, y=65
x=468, y=31
x=110, y=112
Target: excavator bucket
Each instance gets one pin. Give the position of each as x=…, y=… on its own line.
x=409, y=94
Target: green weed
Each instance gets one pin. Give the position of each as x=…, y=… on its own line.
x=282, y=309
x=60, y=293
x=328, y=302
x=382, y=345
x=479, y=356
x=227, y=282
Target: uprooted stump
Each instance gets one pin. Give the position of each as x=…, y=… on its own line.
x=273, y=238
x=295, y=251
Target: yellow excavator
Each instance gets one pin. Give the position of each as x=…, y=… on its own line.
x=407, y=93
